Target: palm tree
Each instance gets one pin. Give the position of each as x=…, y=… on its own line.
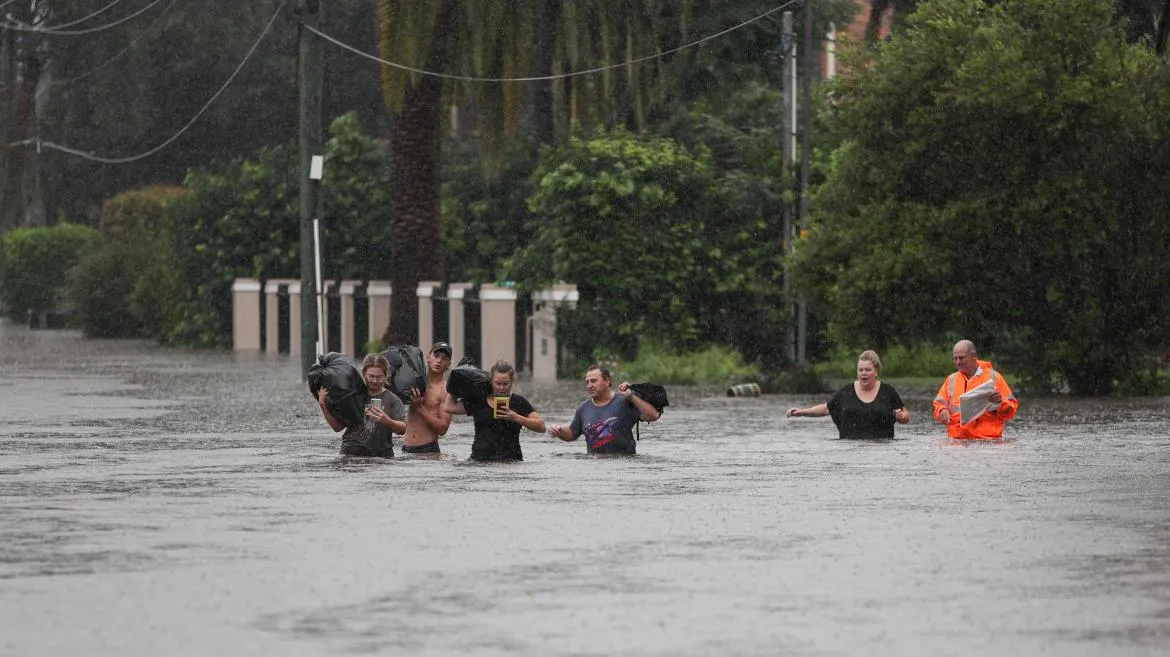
x=497, y=39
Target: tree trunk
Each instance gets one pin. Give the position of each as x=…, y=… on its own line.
x=542, y=113
x=1140, y=18
x=1163, y=30
x=415, y=144
x=873, y=27
x=21, y=202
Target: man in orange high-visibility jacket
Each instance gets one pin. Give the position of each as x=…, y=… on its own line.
x=971, y=372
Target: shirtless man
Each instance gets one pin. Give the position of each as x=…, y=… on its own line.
x=426, y=420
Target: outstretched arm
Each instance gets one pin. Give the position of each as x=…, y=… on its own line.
x=564, y=432
x=820, y=410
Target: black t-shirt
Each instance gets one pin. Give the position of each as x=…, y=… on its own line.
x=496, y=440
x=857, y=419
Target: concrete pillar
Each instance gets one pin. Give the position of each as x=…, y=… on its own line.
x=272, y=314
x=346, y=290
x=294, y=319
x=246, y=314
x=426, y=313
x=544, y=328
x=497, y=306
x=378, y=295
x=456, y=293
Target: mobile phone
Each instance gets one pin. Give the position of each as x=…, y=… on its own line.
x=497, y=404
x=376, y=402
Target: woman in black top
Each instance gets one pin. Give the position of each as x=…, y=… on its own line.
x=866, y=408
x=499, y=418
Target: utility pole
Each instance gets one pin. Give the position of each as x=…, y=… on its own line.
x=788, y=51
x=810, y=67
x=310, y=78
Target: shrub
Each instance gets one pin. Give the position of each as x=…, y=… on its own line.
x=34, y=263
x=243, y=220
x=125, y=289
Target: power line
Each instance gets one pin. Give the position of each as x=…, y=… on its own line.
x=600, y=69
x=111, y=60
x=168, y=142
x=91, y=30
x=82, y=19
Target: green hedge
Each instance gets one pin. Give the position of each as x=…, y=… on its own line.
x=34, y=263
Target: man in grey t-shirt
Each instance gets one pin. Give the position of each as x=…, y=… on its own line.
x=607, y=418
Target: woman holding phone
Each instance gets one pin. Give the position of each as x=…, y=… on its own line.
x=498, y=418
x=385, y=414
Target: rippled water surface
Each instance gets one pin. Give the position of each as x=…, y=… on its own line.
x=161, y=502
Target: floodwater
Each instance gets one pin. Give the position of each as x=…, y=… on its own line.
x=162, y=502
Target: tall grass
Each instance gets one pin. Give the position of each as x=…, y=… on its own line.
x=711, y=366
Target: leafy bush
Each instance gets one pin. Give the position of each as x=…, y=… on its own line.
x=485, y=218
x=622, y=217
x=713, y=365
x=243, y=220
x=1021, y=199
x=126, y=289
x=34, y=263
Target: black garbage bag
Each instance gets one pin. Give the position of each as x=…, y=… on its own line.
x=653, y=393
x=466, y=381
x=408, y=369
x=341, y=376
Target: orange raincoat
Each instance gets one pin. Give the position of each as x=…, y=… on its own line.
x=986, y=426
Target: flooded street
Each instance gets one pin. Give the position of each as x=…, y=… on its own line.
x=164, y=502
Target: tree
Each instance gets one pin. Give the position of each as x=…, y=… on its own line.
x=1137, y=15
x=494, y=39
x=1004, y=178
x=624, y=217
x=22, y=70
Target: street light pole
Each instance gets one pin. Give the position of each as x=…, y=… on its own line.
x=788, y=51
x=810, y=67
x=310, y=78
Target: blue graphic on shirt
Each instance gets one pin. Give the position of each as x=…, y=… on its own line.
x=601, y=433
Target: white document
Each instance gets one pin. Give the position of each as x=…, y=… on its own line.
x=974, y=402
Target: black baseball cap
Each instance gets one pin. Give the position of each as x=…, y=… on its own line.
x=441, y=346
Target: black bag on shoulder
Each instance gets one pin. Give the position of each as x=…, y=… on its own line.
x=467, y=381
x=347, y=394
x=408, y=369
x=653, y=394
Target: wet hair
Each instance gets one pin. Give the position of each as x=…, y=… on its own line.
x=871, y=356
x=604, y=371
x=503, y=367
x=375, y=360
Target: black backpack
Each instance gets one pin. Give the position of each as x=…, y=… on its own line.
x=652, y=393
